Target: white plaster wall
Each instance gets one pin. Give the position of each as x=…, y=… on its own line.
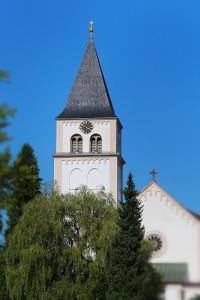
x=180, y=292
x=173, y=292
x=191, y=292
x=95, y=179
x=73, y=171
x=99, y=127
x=90, y=172
x=179, y=229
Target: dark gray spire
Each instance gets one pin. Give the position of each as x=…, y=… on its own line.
x=89, y=97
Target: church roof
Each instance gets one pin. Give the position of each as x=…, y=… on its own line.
x=172, y=272
x=89, y=97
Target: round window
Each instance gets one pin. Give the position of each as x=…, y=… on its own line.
x=156, y=241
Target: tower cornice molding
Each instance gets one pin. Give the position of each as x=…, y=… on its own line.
x=89, y=155
x=91, y=119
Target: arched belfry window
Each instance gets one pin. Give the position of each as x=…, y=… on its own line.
x=76, y=143
x=96, y=143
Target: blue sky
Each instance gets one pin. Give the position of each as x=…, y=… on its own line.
x=150, y=55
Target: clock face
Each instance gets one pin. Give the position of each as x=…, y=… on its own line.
x=86, y=127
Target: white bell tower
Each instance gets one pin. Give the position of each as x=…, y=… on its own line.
x=88, y=134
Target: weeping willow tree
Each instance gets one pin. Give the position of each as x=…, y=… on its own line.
x=58, y=248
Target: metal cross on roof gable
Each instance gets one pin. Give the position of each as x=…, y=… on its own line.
x=154, y=173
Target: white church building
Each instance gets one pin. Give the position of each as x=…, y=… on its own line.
x=88, y=152
x=175, y=232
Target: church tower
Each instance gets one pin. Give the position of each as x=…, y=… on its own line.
x=88, y=133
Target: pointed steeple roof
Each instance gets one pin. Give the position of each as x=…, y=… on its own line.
x=89, y=97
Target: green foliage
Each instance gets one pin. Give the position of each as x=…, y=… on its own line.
x=5, y=113
x=5, y=156
x=5, y=176
x=129, y=275
x=4, y=75
x=58, y=248
x=150, y=281
x=25, y=183
x=5, y=181
x=196, y=297
x=3, y=289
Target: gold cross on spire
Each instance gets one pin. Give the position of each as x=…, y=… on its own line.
x=91, y=28
x=154, y=173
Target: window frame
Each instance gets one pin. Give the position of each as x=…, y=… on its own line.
x=78, y=144
x=96, y=138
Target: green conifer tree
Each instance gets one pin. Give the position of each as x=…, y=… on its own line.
x=26, y=183
x=129, y=274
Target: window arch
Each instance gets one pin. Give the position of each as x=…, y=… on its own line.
x=76, y=179
x=76, y=143
x=96, y=143
x=95, y=179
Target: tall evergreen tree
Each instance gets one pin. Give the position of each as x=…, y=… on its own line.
x=129, y=275
x=26, y=183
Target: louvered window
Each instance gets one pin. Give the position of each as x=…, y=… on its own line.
x=80, y=145
x=99, y=144
x=96, y=143
x=93, y=144
x=73, y=145
x=76, y=144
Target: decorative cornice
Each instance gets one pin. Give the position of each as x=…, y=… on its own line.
x=78, y=162
x=97, y=118
x=89, y=155
x=78, y=122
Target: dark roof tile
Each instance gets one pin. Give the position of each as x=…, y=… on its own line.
x=89, y=97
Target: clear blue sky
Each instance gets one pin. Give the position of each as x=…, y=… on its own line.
x=150, y=54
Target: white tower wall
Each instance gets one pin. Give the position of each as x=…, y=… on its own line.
x=95, y=170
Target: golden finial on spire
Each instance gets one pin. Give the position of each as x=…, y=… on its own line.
x=91, y=28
